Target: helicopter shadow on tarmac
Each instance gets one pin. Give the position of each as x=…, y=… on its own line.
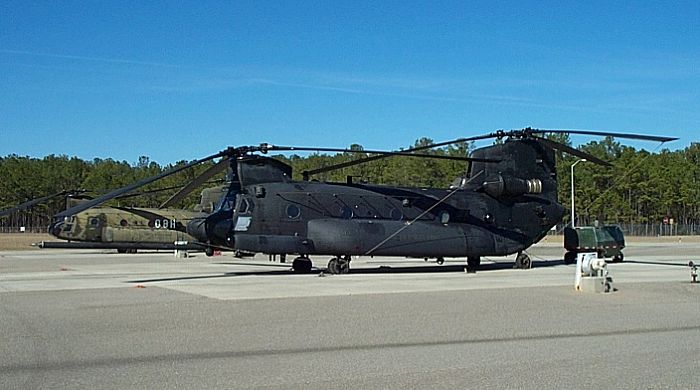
x=382, y=269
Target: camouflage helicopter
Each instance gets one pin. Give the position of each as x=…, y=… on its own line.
x=505, y=202
x=128, y=229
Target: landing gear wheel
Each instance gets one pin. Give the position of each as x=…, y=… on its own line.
x=209, y=251
x=332, y=267
x=440, y=261
x=339, y=265
x=569, y=257
x=618, y=258
x=608, y=286
x=473, y=262
x=121, y=250
x=522, y=261
x=302, y=265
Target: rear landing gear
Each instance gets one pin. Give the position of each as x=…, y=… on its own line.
x=522, y=261
x=302, y=264
x=473, y=263
x=569, y=257
x=339, y=265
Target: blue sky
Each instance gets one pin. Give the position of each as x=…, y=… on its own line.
x=182, y=80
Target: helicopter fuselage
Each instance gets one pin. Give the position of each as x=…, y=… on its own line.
x=333, y=219
x=498, y=209
x=125, y=224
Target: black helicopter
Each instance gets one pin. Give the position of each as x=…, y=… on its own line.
x=505, y=202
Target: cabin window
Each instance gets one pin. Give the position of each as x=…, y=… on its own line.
x=94, y=221
x=123, y=223
x=293, y=211
x=395, y=214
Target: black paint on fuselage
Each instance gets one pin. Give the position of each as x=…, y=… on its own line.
x=497, y=210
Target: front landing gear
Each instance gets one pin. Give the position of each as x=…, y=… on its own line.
x=339, y=265
x=473, y=263
x=302, y=264
x=522, y=261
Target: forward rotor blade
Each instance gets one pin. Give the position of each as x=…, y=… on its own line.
x=120, y=191
x=605, y=134
x=31, y=203
x=198, y=181
x=142, y=193
x=575, y=152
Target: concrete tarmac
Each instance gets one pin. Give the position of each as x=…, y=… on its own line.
x=88, y=319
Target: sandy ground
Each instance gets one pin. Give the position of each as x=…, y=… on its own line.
x=22, y=241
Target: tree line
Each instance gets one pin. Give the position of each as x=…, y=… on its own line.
x=640, y=188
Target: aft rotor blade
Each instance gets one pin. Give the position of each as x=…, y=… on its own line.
x=568, y=149
x=384, y=154
x=606, y=134
x=120, y=191
x=31, y=203
x=198, y=181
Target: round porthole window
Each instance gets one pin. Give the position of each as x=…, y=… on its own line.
x=396, y=214
x=293, y=211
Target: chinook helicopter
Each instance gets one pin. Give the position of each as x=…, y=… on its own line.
x=128, y=229
x=505, y=202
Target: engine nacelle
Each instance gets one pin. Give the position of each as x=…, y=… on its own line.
x=499, y=185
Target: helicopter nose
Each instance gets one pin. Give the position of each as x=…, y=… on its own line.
x=55, y=228
x=197, y=228
x=213, y=229
x=221, y=230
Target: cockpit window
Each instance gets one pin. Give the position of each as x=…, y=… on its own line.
x=245, y=206
x=228, y=202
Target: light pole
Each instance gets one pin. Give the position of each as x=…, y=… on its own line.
x=572, y=190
